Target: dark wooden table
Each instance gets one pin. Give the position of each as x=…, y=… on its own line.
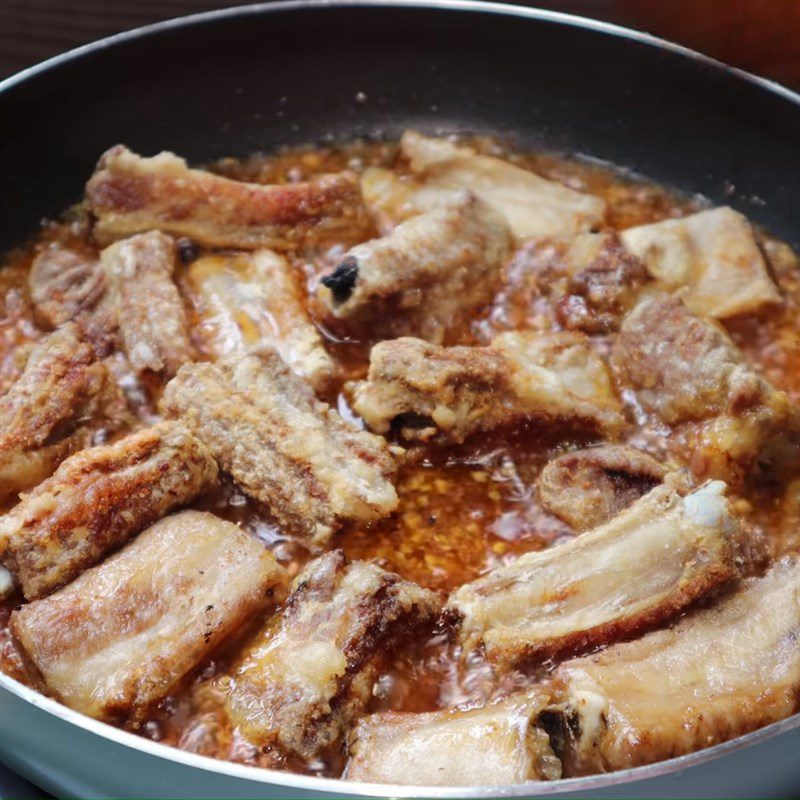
x=762, y=36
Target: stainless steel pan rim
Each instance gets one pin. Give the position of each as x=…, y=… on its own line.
x=336, y=785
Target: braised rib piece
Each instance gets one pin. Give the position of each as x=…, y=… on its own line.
x=65, y=285
x=535, y=207
x=586, y=488
x=592, y=280
x=96, y=500
x=247, y=299
x=497, y=744
x=310, y=672
x=448, y=393
x=126, y=632
x=281, y=445
x=143, y=303
x=719, y=673
x=640, y=569
x=685, y=369
x=715, y=254
x=429, y=273
x=130, y=194
x=48, y=411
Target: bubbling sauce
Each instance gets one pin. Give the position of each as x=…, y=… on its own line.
x=463, y=510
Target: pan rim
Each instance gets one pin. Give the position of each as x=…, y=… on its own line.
x=359, y=789
x=470, y=6
x=339, y=785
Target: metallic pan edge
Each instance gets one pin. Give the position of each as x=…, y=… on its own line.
x=310, y=783
x=337, y=785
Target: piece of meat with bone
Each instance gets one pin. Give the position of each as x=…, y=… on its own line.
x=245, y=299
x=447, y=393
x=281, y=445
x=592, y=280
x=636, y=571
x=50, y=410
x=718, y=673
x=65, y=285
x=714, y=254
x=498, y=744
x=130, y=194
x=142, y=302
x=586, y=488
x=125, y=633
x=687, y=372
x=127, y=297
x=534, y=206
x=428, y=275
x=96, y=500
x=310, y=672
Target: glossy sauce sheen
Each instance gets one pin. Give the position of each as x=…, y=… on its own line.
x=462, y=510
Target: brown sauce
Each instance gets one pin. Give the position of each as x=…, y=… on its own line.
x=463, y=510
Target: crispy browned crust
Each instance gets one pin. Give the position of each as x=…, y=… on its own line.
x=47, y=412
x=124, y=633
x=143, y=303
x=684, y=367
x=730, y=422
x=129, y=194
x=306, y=677
x=592, y=280
x=430, y=392
x=586, y=488
x=96, y=500
x=65, y=285
x=60, y=381
x=281, y=445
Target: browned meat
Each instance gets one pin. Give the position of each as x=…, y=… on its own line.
x=714, y=254
x=248, y=299
x=450, y=392
x=587, y=488
x=281, y=445
x=685, y=369
x=129, y=194
x=65, y=285
x=535, y=207
x=497, y=744
x=429, y=274
x=96, y=500
x=143, y=303
x=717, y=674
x=592, y=279
x=126, y=632
x=310, y=672
x=640, y=569
x=127, y=297
x=48, y=411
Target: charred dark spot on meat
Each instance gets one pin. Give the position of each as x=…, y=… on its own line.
x=342, y=280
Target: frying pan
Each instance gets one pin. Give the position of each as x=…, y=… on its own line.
x=249, y=79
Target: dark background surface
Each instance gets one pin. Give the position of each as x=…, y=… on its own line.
x=762, y=36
